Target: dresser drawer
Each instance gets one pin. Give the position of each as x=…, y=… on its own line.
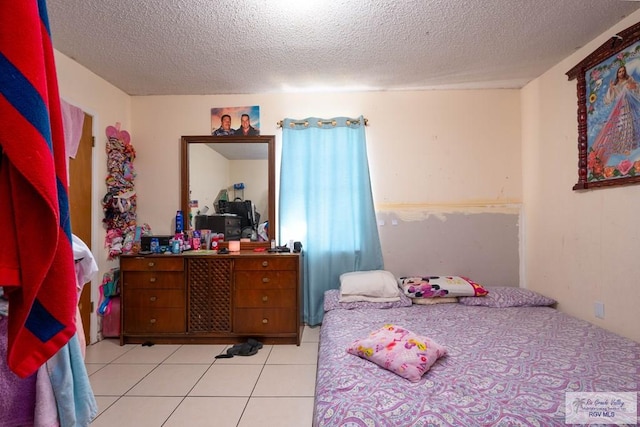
x=268, y=298
x=265, y=279
x=137, y=299
x=153, y=279
x=154, y=320
x=264, y=321
x=267, y=263
x=151, y=264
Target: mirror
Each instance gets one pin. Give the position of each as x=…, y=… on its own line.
x=210, y=164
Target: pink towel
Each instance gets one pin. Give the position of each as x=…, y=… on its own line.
x=72, y=121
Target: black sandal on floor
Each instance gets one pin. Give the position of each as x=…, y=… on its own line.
x=231, y=351
x=248, y=348
x=254, y=343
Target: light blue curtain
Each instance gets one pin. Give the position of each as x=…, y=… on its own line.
x=326, y=203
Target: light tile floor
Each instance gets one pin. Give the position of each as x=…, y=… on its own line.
x=185, y=385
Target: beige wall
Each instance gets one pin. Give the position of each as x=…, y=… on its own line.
x=579, y=246
x=430, y=148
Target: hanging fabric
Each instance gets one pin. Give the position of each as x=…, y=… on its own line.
x=326, y=203
x=119, y=204
x=72, y=122
x=36, y=260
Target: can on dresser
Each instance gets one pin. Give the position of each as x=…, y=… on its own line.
x=154, y=245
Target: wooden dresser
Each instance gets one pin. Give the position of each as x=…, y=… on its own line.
x=202, y=297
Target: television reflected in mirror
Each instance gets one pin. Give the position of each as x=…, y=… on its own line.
x=230, y=175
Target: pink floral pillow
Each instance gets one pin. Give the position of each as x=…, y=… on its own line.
x=399, y=351
x=440, y=286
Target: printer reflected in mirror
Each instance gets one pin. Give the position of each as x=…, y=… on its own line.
x=236, y=220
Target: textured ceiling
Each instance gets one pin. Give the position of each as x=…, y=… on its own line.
x=171, y=47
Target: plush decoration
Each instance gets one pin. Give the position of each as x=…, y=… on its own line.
x=440, y=286
x=374, y=286
x=332, y=302
x=504, y=296
x=399, y=351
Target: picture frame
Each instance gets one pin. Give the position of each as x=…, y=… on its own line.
x=608, y=92
x=235, y=123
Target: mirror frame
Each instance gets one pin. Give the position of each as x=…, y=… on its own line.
x=185, y=141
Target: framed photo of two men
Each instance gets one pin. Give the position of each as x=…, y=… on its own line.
x=609, y=112
x=238, y=121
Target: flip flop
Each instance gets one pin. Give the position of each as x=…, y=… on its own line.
x=254, y=343
x=224, y=356
x=237, y=349
x=248, y=348
x=231, y=351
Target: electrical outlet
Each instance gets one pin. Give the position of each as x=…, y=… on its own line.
x=394, y=222
x=599, y=310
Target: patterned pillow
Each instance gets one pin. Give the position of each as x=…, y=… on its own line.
x=332, y=302
x=505, y=296
x=440, y=286
x=399, y=351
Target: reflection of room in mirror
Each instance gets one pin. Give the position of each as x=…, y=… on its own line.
x=215, y=167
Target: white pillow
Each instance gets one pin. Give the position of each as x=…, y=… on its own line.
x=375, y=285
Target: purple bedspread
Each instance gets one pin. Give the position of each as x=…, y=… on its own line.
x=504, y=367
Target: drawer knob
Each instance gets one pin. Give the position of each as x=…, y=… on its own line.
x=265, y=298
x=265, y=321
x=151, y=263
x=265, y=280
x=153, y=299
x=265, y=263
x=152, y=321
x=152, y=280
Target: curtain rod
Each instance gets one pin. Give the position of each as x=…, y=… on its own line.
x=324, y=122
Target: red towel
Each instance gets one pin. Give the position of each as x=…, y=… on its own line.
x=36, y=259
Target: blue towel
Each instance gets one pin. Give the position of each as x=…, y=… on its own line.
x=76, y=403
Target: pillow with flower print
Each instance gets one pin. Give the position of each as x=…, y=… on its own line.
x=398, y=350
x=440, y=286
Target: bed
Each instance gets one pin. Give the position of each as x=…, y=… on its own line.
x=505, y=366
